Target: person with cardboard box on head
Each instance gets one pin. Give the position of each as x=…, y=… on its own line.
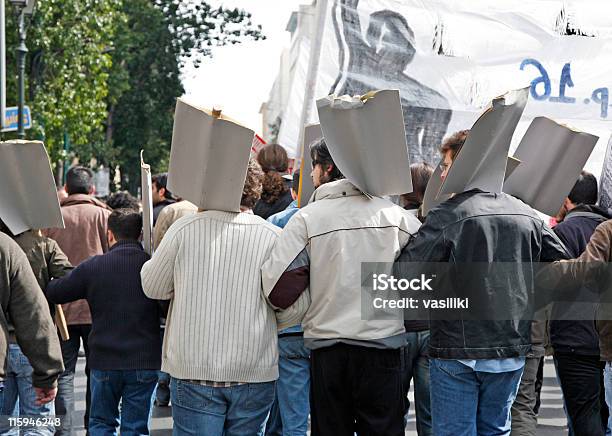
x=356, y=369
x=476, y=360
x=220, y=346
x=25, y=167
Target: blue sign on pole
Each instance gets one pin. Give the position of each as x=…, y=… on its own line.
x=11, y=118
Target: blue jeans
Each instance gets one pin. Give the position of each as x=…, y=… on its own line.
x=289, y=414
x=64, y=401
x=233, y=411
x=17, y=396
x=416, y=366
x=465, y=402
x=608, y=386
x=134, y=389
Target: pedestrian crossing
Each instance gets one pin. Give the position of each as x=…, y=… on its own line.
x=551, y=421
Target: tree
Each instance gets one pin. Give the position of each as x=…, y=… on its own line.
x=151, y=47
x=106, y=73
x=68, y=70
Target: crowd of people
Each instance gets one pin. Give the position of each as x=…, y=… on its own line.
x=251, y=323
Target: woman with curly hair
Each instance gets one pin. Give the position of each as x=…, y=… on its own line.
x=276, y=195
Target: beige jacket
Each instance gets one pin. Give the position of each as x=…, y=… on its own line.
x=168, y=216
x=84, y=236
x=323, y=245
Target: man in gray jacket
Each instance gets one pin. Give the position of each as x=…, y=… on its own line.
x=25, y=307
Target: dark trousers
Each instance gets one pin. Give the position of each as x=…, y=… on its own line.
x=64, y=402
x=581, y=380
x=356, y=390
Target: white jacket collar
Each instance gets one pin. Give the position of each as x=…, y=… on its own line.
x=336, y=189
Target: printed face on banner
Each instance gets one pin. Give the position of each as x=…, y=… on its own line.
x=383, y=52
x=450, y=62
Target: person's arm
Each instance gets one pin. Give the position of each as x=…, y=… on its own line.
x=428, y=245
x=286, y=274
x=553, y=247
x=71, y=287
x=34, y=329
x=163, y=223
x=157, y=274
x=103, y=230
x=571, y=273
x=58, y=264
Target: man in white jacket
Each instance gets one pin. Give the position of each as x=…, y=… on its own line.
x=356, y=366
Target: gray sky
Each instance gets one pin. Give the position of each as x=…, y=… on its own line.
x=239, y=78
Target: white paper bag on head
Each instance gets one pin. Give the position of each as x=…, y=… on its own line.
x=431, y=198
x=552, y=155
x=367, y=140
x=312, y=133
x=208, y=159
x=481, y=162
x=28, y=196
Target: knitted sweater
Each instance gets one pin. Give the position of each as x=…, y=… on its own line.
x=220, y=326
x=125, y=328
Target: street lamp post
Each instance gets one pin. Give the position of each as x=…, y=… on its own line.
x=24, y=7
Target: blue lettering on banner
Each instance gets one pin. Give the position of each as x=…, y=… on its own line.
x=541, y=89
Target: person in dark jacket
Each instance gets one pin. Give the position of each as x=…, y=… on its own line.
x=24, y=305
x=276, y=195
x=125, y=345
x=476, y=365
x=576, y=342
x=18, y=398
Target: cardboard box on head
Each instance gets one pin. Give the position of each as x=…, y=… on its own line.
x=147, y=205
x=435, y=182
x=552, y=158
x=209, y=158
x=481, y=162
x=28, y=197
x=312, y=133
x=367, y=140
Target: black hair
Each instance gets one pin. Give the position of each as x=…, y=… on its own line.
x=123, y=200
x=161, y=181
x=295, y=181
x=125, y=224
x=584, y=190
x=79, y=180
x=319, y=153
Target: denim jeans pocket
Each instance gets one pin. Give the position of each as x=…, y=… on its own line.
x=451, y=367
x=260, y=395
x=100, y=376
x=192, y=395
x=146, y=376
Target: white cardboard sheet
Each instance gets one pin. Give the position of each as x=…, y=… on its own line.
x=367, y=141
x=28, y=196
x=209, y=158
x=552, y=157
x=481, y=162
x=147, y=205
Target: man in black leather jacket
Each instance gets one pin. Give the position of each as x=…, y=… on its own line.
x=476, y=365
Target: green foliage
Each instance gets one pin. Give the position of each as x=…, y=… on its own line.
x=107, y=73
x=151, y=47
x=67, y=71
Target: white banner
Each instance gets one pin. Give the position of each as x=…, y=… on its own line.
x=453, y=58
